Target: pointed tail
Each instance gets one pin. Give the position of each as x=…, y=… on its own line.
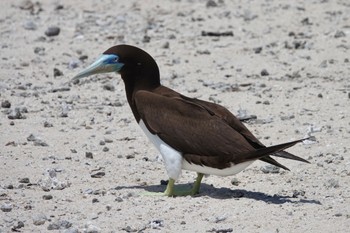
x=276, y=150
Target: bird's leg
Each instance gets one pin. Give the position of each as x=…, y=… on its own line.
x=170, y=190
x=197, y=184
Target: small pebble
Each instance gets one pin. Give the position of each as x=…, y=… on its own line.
x=146, y=39
x=83, y=57
x=323, y=64
x=24, y=64
x=270, y=169
x=19, y=225
x=39, y=50
x=211, y=3
x=6, y=207
x=11, y=143
x=98, y=175
x=89, y=155
x=39, y=219
x=221, y=230
x=248, y=15
x=108, y=87
x=30, y=25
x=72, y=230
x=218, y=219
x=59, y=7
x=59, y=225
x=235, y=181
x=339, y=34
x=264, y=72
x=89, y=228
x=24, y=180
x=102, y=143
x=288, y=117
x=65, y=108
x=52, y=173
x=5, y=104
x=130, y=229
x=131, y=156
x=36, y=140
x=257, y=50
x=52, y=31
x=51, y=182
x=105, y=149
x=306, y=21
x=57, y=72
x=165, y=45
x=15, y=114
x=107, y=140
x=48, y=124
x=297, y=193
x=156, y=224
x=26, y=5
x=206, y=52
x=47, y=197
x=88, y=191
x=73, y=64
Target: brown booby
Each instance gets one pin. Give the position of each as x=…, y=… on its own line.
x=189, y=133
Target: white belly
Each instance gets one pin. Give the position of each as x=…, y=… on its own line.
x=234, y=169
x=172, y=158
x=174, y=161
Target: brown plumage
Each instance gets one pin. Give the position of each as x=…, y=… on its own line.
x=205, y=133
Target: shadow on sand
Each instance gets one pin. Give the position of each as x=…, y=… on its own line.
x=226, y=193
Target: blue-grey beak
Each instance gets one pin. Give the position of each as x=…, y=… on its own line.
x=105, y=64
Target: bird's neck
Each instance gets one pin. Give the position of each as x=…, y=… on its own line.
x=138, y=83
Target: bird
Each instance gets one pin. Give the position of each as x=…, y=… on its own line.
x=190, y=133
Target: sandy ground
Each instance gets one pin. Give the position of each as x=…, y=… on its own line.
x=72, y=158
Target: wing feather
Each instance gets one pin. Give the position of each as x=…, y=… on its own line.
x=190, y=128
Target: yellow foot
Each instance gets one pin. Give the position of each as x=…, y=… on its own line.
x=170, y=190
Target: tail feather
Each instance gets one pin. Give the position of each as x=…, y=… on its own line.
x=272, y=150
x=287, y=155
x=270, y=160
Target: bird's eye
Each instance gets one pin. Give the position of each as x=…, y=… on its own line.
x=113, y=59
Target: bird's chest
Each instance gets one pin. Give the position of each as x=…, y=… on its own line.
x=172, y=158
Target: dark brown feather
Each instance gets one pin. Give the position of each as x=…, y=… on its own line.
x=237, y=125
x=204, y=135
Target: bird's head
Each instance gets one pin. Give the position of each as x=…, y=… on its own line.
x=129, y=61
